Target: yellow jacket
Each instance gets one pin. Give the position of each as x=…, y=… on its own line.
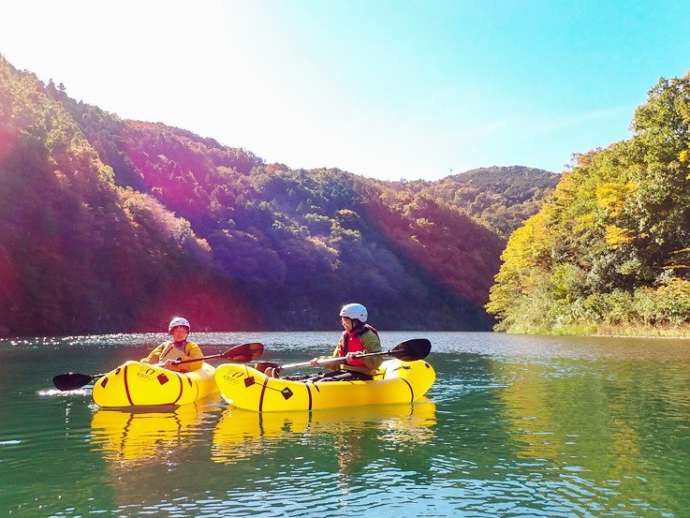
x=168, y=351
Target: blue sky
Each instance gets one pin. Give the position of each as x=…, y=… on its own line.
x=386, y=89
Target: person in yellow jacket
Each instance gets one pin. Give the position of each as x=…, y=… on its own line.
x=178, y=348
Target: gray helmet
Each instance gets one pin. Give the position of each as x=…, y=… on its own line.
x=179, y=321
x=354, y=311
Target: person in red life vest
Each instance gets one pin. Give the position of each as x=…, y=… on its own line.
x=358, y=337
x=179, y=348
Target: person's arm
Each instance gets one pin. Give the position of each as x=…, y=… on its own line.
x=154, y=356
x=330, y=366
x=372, y=344
x=193, y=351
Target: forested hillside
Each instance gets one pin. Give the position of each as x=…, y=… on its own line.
x=109, y=225
x=78, y=253
x=501, y=198
x=611, y=249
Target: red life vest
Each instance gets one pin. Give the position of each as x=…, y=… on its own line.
x=352, y=343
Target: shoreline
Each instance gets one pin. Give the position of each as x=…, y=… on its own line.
x=603, y=331
x=640, y=333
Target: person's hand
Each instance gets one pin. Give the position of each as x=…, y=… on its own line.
x=314, y=362
x=272, y=372
x=350, y=356
x=168, y=364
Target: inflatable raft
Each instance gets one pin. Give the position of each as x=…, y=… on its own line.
x=250, y=389
x=135, y=384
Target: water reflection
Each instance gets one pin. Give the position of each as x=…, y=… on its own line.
x=520, y=426
x=602, y=432
x=127, y=436
x=240, y=434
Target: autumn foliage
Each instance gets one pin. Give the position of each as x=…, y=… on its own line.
x=611, y=247
x=110, y=225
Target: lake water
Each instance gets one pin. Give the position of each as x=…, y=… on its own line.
x=513, y=426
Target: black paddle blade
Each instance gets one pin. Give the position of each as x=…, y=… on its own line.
x=411, y=350
x=244, y=353
x=71, y=381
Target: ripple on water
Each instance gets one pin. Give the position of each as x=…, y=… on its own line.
x=522, y=426
x=53, y=392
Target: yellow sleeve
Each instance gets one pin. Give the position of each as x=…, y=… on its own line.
x=192, y=351
x=155, y=355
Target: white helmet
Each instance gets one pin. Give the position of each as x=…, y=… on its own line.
x=354, y=311
x=179, y=321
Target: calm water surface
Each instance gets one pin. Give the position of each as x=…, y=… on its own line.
x=513, y=426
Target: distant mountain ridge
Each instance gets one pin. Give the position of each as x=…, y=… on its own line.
x=499, y=197
x=110, y=225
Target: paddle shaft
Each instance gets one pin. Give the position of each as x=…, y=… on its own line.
x=200, y=359
x=241, y=353
x=236, y=350
x=409, y=350
x=326, y=361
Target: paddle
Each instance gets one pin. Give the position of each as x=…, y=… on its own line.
x=408, y=351
x=238, y=354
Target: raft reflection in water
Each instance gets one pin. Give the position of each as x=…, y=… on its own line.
x=146, y=437
x=140, y=435
x=241, y=434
